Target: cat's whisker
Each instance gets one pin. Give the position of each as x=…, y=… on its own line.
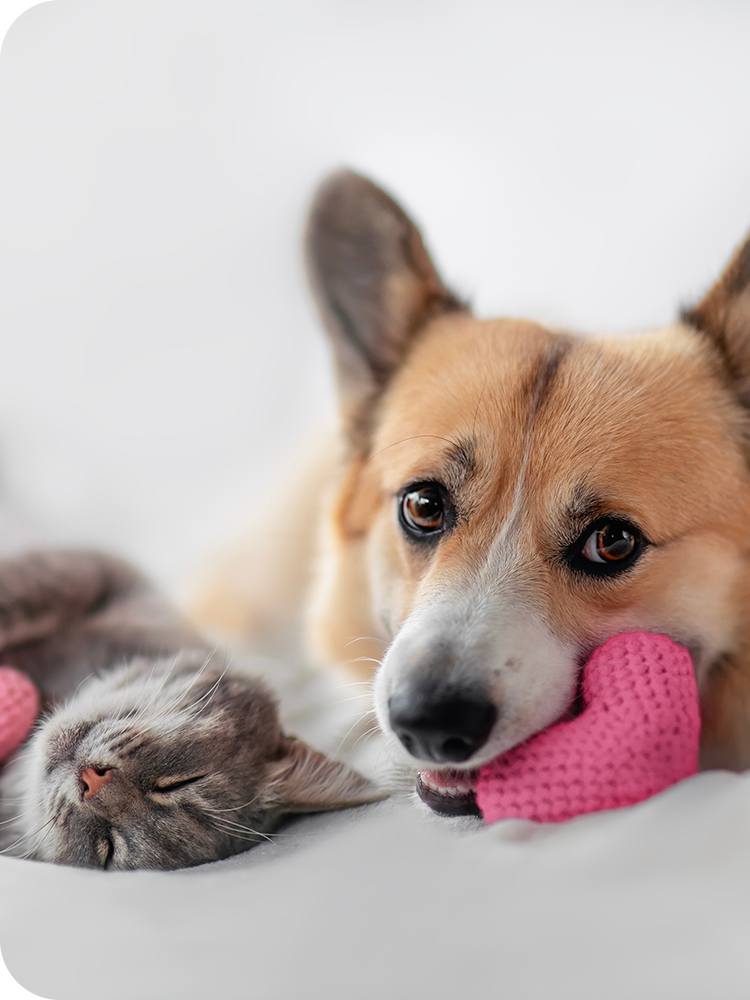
x=206, y=663
x=78, y=686
x=15, y=819
x=242, y=833
x=246, y=805
x=239, y=827
x=172, y=703
x=150, y=677
x=233, y=824
x=23, y=756
x=36, y=848
x=141, y=709
x=174, y=706
x=235, y=835
x=28, y=836
x=193, y=709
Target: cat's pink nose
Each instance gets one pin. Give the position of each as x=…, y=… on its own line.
x=93, y=779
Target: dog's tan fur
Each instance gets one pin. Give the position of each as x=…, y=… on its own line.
x=535, y=434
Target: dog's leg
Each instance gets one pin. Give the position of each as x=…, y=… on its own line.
x=256, y=588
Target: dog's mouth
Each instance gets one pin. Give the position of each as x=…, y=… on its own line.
x=450, y=793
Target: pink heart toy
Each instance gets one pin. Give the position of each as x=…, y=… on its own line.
x=637, y=735
x=19, y=707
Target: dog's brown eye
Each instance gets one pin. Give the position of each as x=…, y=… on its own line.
x=422, y=510
x=606, y=548
x=610, y=543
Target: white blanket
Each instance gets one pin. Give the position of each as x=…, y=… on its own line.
x=648, y=903
x=392, y=901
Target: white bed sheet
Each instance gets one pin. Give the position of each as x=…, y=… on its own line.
x=391, y=900
x=647, y=902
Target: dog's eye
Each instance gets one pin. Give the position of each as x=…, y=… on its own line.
x=607, y=547
x=422, y=510
x=610, y=544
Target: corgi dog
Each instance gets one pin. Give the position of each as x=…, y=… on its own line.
x=510, y=496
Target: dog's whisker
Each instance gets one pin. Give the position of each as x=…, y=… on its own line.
x=366, y=659
x=356, y=697
x=369, y=732
x=366, y=638
x=357, y=722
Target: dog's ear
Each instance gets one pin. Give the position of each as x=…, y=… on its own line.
x=305, y=780
x=374, y=283
x=723, y=315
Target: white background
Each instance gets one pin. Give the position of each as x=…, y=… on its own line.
x=585, y=164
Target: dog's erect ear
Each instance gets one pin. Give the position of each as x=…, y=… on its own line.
x=305, y=780
x=374, y=283
x=724, y=316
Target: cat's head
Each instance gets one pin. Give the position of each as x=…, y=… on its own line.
x=164, y=765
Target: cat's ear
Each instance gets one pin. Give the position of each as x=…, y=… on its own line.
x=305, y=780
x=374, y=283
x=723, y=315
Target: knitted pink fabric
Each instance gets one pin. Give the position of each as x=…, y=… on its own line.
x=637, y=735
x=19, y=707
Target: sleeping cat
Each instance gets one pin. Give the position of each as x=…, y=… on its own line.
x=161, y=756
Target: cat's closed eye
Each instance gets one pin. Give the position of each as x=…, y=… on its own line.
x=166, y=785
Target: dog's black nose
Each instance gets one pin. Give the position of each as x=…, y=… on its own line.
x=449, y=727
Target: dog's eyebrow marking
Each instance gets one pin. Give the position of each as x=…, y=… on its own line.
x=544, y=373
x=585, y=505
x=460, y=462
x=541, y=379
x=412, y=437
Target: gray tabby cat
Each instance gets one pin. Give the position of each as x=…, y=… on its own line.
x=160, y=757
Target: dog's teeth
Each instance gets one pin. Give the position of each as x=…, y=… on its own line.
x=452, y=791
